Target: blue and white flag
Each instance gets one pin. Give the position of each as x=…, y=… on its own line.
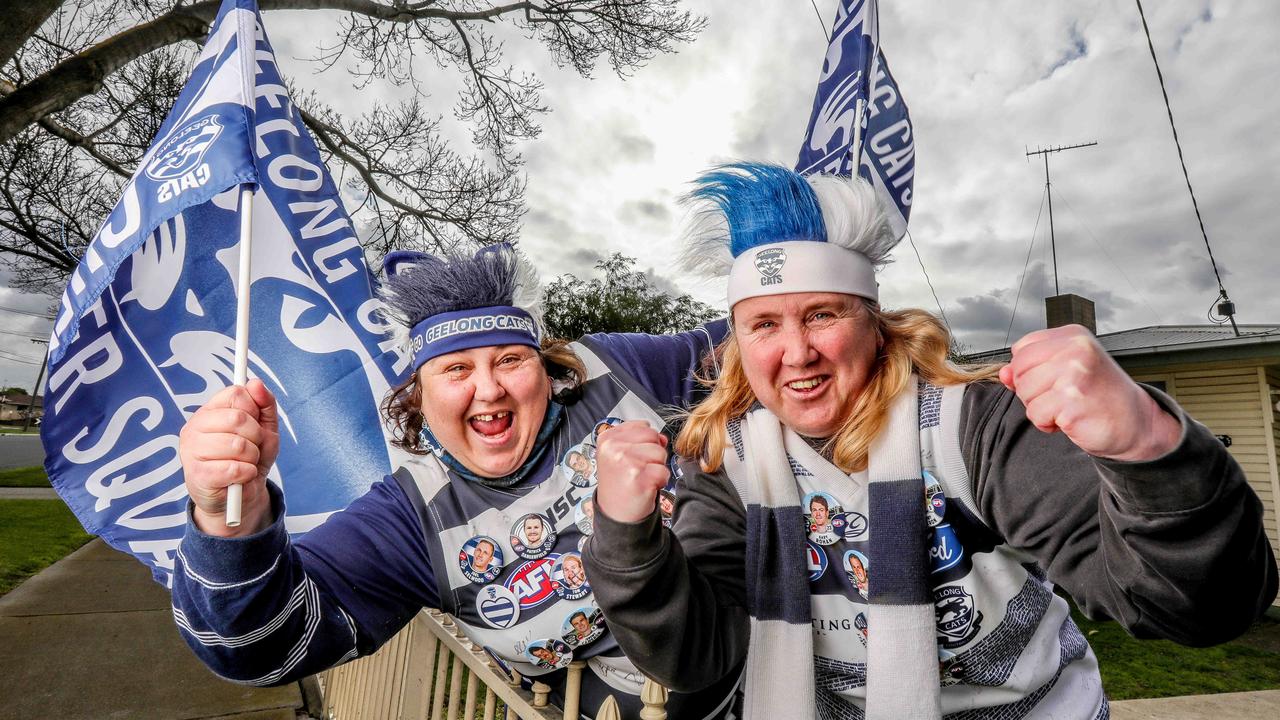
x=145, y=333
x=886, y=152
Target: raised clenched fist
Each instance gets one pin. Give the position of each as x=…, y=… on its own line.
x=631, y=466
x=1068, y=382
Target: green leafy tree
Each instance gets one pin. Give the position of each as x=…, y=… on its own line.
x=625, y=300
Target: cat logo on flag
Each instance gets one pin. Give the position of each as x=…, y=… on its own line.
x=179, y=163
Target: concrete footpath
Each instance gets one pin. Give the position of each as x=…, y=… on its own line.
x=92, y=637
x=1225, y=706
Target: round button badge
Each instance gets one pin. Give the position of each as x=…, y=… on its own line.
x=569, y=577
x=549, y=654
x=579, y=465
x=584, y=625
x=532, y=537
x=584, y=513
x=822, y=508
x=480, y=559
x=497, y=606
x=855, y=568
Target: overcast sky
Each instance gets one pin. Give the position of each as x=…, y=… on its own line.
x=984, y=80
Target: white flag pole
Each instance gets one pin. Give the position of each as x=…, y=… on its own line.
x=243, y=279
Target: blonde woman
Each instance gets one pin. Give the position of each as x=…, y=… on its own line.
x=1055, y=468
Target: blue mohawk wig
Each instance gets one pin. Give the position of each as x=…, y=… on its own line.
x=743, y=205
x=418, y=286
x=761, y=204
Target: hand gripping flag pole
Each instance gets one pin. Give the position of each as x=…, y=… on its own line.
x=145, y=335
x=244, y=278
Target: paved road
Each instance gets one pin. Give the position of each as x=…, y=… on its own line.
x=28, y=494
x=20, y=451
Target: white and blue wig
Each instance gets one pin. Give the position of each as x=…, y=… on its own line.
x=774, y=231
x=438, y=305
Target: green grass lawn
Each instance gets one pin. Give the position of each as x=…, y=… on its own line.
x=24, y=477
x=1159, y=668
x=33, y=535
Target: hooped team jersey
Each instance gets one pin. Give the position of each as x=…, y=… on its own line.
x=508, y=561
x=1001, y=631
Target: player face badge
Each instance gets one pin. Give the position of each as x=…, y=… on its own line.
x=480, y=559
x=497, y=606
x=549, y=654
x=532, y=537
x=820, y=508
x=569, y=577
x=602, y=427
x=817, y=558
x=860, y=622
x=584, y=514
x=855, y=568
x=579, y=465
x=584, y=625
x=667, y=506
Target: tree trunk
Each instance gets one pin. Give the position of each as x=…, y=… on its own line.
x=19, y=22
x=83, y=74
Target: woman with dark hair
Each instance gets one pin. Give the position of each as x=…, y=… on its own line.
x=487, y=411
x=1063, y=470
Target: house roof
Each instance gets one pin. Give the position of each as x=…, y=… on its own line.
x=1156, y=339
x=21, y=400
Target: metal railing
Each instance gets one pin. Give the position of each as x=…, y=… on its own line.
x=431, y=671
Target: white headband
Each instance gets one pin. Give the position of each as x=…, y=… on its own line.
x=801, y=266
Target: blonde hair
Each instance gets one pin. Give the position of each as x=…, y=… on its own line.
x=910, y=340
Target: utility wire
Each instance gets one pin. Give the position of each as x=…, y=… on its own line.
x=825, y=34
x=26, y=312
x=1159, y=320
x=1025, y=264
x=930, y=282
x=17, y=358
x=1178, y=144
x=22, y=334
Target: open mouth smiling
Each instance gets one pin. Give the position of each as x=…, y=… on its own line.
x=491, y=425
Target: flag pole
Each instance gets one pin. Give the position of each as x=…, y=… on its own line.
x=243, y=278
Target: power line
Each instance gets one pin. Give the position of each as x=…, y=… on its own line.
x=15, y=358
x=1117, y=266
x=1222, y=291
x=1025, y=264
x=22, y=334
x=930, y=283
x=825, y=34
x=26, y=312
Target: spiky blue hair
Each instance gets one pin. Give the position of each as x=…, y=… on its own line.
x=740, y=205
x=761, y=203
x=418, y=285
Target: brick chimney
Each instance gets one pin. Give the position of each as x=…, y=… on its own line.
x=1069, y=309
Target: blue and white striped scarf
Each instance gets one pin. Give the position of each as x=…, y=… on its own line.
x=902, y=658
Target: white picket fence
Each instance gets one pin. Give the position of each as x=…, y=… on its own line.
x=430, y=671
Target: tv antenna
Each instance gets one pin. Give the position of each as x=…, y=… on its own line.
x=1052, y=244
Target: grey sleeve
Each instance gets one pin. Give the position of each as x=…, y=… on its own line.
x=1172, y=548
x=676, y=601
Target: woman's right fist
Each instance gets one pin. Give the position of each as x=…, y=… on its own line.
x=631, y=466
x=232, y=439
